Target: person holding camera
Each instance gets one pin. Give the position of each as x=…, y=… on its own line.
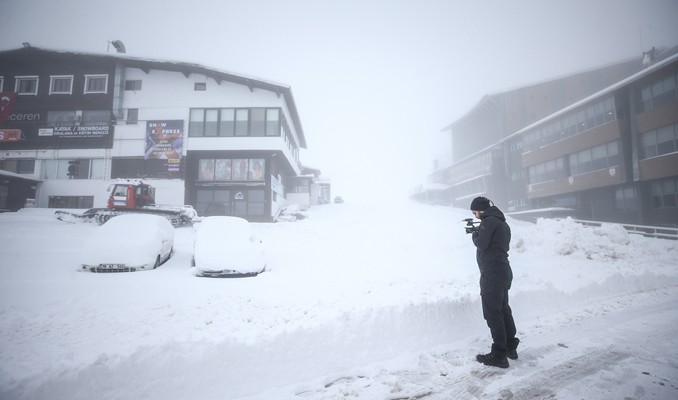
x=492, y=238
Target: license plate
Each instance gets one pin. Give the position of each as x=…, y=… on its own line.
x=111, y=266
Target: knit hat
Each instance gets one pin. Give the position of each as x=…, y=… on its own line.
x=480, y=204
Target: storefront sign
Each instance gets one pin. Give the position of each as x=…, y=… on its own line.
x=173, y=165
x=76, y=131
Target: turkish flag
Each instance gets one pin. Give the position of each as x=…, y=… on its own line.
x=7, y=100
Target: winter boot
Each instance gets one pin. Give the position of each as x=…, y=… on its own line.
x=511, y=352
x=493, y=360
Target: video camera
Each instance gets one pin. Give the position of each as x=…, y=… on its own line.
x=471, y=225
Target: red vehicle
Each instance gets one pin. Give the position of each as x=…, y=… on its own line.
x=132, y=196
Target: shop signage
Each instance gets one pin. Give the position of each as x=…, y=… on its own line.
x=76, y=131
x=173, y=165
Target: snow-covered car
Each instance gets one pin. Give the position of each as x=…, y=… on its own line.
x=226, y=247
x=129, y=242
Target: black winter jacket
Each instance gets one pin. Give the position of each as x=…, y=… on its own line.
x=492, y=245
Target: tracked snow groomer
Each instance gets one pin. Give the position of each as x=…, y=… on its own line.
x=132, y=197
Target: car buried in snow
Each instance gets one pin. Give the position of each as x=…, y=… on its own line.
x=226, y=247
x=127, y=243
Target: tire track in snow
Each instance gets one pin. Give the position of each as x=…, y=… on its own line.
x=545, y=384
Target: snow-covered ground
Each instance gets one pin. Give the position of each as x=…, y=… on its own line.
x=359, y=302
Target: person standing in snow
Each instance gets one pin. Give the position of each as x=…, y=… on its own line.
x=492, y=240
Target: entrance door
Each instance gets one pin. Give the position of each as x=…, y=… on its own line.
x=240, y=203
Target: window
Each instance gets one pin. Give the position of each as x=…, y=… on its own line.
x=61, y=84
x=200, y=86
x=196, y=125
x=137, y=167
x=272, y=122
x=625, y=198
x=241, y=122
x=659, y=141
x=576, y=123
x=240, y=170
x=211, y=122
x=257, y=121
x=659, y=92
x=18, y=166
x=206, y=171
x=55, y=118
x=73, y=169
x=26, y=85
x=230, y=202
x=610, y=112
x=666, y=140
x=222, y=170
x=255, y=202
x=299, y=187
x=613, y=157
x=664, y=193
x=599, y=157
x=133, y=84
x=2, y=83
x=96, y=170
x=96, y=117
x=226, y=122
x=256, y=170
x=96, y=83
x=231, y=169
x=132, y=116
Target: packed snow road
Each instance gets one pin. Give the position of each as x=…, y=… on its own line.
x=357, y=302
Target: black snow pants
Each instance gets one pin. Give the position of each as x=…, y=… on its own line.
x=497, y=313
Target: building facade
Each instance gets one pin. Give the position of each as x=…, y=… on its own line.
x=610, y=156
x=224, y=143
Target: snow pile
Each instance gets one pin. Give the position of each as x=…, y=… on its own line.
x=568, y=238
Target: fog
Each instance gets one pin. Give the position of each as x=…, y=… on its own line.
x=376, y=81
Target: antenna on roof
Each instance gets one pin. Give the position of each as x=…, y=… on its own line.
x=119, y=46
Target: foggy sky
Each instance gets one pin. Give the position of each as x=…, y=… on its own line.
x=374, y=81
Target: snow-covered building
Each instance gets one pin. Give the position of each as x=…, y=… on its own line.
x=75, y=122
x=601, y=145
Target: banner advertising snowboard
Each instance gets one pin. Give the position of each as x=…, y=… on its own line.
x=164, y=141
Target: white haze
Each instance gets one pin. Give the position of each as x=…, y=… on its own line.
x=374, y=81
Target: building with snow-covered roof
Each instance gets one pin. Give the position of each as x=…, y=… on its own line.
x=609, y=154
x=221, y=142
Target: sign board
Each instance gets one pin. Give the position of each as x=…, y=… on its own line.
x=164, y=140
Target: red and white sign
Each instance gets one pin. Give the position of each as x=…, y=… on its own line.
x=10, y=135
x=7, y=100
